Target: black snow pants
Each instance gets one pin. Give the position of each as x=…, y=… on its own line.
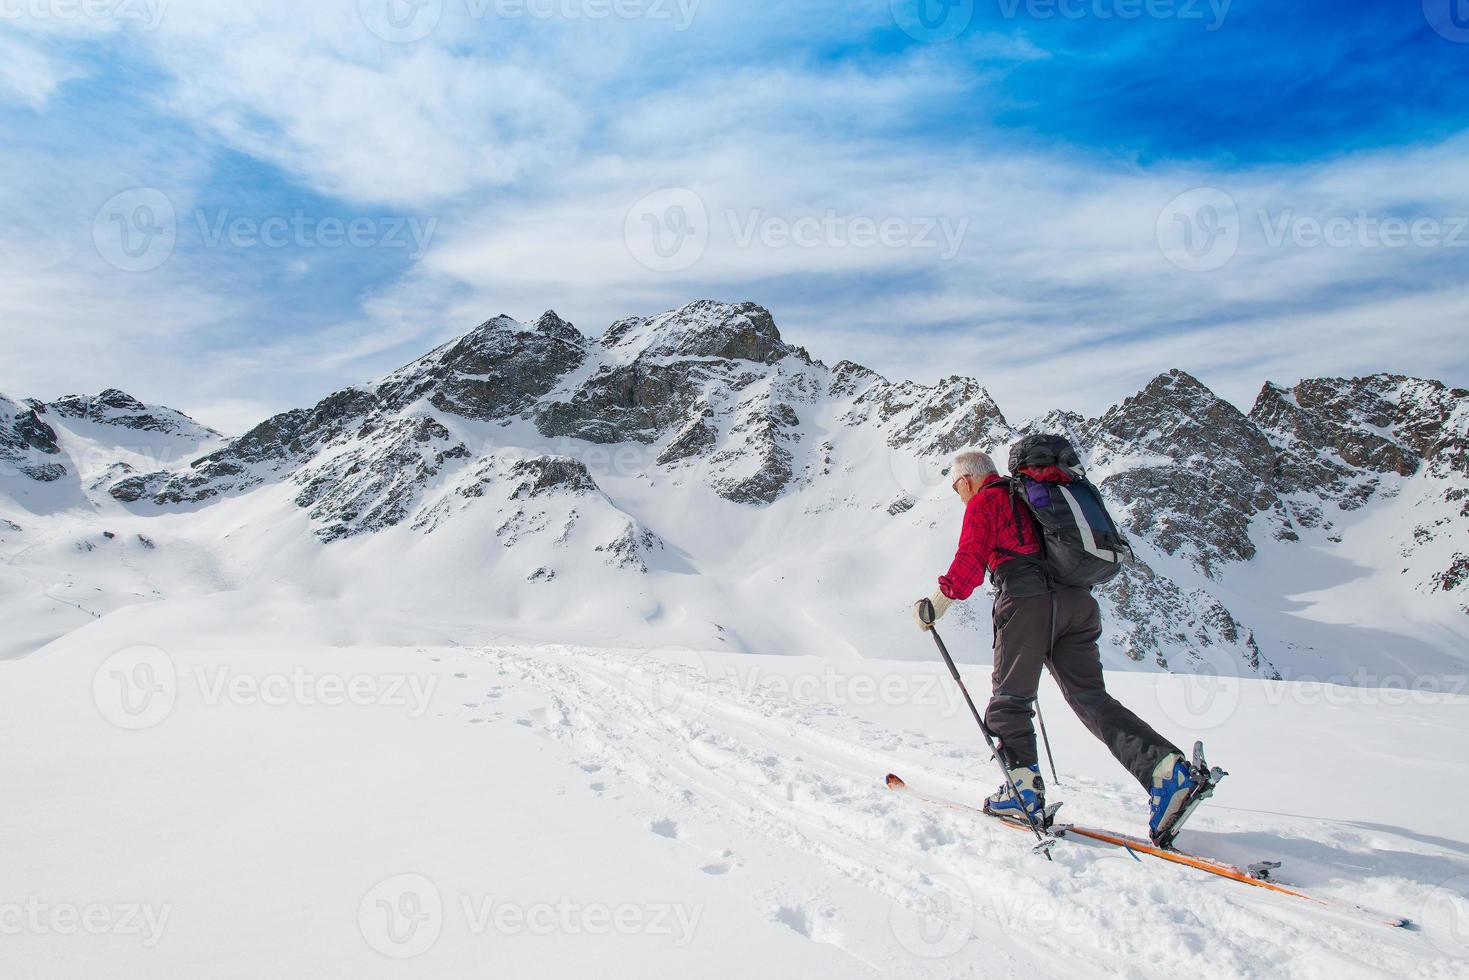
x=1023, y=631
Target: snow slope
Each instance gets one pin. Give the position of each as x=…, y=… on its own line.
x=247, y=805
x=63, y=561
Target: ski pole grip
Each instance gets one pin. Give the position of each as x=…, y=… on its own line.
x=925, y=612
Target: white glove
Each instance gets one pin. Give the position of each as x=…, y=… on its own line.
x=941, y=604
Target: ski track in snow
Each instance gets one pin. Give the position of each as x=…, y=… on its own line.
x=807, y=776
x=723, y=784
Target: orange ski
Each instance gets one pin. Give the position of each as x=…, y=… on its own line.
x=1137, y=846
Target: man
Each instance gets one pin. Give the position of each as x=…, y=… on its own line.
x=1038, y=624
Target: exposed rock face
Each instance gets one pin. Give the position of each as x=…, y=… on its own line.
x=710, y=385
x=1189, y=470
x=758, y=463
x=1155, y=619
x=115, y=407
x=728, y=331
x=551, y=474
x=375, y=484
x=628, y=403
x=654, y=372
x=1069, y=424
x=273, y=447
x=1336, y=438
x=26, y=441
x=31, y=445
x=955, y=414
x=496, y=370
x=630, y=548
x=1341, y=443
x=699, y=435
x=848, y=378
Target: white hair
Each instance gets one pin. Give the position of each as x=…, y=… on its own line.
x=972, y=463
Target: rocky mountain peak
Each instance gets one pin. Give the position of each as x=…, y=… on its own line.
x=849, y=378
x=1194, y=469
x=1179, y=413
x=495, y=370
x=704, y=328
x=1176, y=389
x=113, y=406
x=554, y=326
x=96, y=406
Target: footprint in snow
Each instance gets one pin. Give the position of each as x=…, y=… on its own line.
x=795, y=918
x=664, y=828
x=717, y=868
x=815, y=926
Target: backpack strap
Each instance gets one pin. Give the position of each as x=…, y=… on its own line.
x=1009, y=485
x=1018, y=510
x=1015, y=510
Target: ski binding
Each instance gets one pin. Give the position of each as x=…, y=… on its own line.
x=1206, y=779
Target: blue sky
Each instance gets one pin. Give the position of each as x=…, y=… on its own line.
x=340, y=194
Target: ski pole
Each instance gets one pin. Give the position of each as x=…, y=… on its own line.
x=1051, y=665
x=1046, y=739
x=926, y=613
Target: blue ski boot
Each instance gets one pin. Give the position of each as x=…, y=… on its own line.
x=1002, y=802
x=1178, y=788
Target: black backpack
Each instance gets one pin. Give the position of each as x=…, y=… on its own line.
x=1080, y=543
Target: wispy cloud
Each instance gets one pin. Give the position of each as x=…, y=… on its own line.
x=968, y=206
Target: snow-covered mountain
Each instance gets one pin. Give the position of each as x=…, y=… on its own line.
x=692, y=477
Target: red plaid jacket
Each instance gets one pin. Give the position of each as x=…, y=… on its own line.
x=989, y=524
